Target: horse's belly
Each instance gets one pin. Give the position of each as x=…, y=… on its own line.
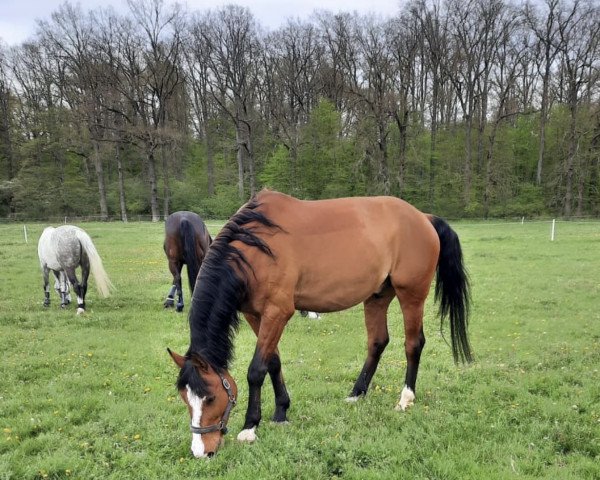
x=338, y=289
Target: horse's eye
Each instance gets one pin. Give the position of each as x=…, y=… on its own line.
x=210, y=399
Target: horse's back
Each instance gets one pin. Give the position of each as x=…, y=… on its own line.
x=60, y=247
x=336, y=253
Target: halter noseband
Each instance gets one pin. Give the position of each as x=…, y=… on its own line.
x=222, y=425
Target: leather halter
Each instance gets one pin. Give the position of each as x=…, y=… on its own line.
x=222, y=425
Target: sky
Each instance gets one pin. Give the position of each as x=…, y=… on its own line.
x=18, y=17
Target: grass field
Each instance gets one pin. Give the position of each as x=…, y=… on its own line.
x=93, y=396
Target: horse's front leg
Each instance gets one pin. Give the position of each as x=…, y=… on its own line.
x=266, y=359
x=282, y=398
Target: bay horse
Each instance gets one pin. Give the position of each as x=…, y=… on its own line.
x=186, y=242
x=63, y=249
x=278, y=254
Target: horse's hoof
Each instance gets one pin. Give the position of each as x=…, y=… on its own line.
x=46, y=304
x=407, y=399
x=353, y=399
x=280, y=422
x=179, y=308
x=63, y=305
x=247, y=435
x=169, y=303
x=80, y=311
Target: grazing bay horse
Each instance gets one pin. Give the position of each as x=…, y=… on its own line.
x=186, y=242
x=62, y=250
x=278, y=254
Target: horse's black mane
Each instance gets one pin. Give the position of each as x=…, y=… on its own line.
x=220, y=289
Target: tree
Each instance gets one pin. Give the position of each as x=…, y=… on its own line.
x=231, y=37
x=579, y=35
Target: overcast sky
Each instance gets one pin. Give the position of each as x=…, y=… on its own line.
x=18, y=17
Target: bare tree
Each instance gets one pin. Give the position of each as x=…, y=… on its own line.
x=6, y=96
x=545, y=26
x=231, y=37
x=407, y=49
x=434, y=27
x=508, y=67
x=579, y=33
x=70, y=33
x=197, y=55
x=292, y=58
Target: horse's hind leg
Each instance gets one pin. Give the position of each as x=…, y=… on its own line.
x=85, y=275
x=46, y=275
x=61, y=286
x=179, y=304
x=77, y=288
x=376, y=308
x=414, y=341
x=63, y=283
x=175, y=269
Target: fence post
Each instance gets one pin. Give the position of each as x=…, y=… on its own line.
x=25, y=233
x=553, y=228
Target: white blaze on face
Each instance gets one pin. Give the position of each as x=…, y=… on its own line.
x=195, y=403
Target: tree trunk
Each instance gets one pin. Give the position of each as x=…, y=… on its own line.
x=5, y=133
x=251, y=164
x=468, y=161
x=570, y=160
x=489, y=168
x=240, y=162
x=433, y=140
x=580, y=190
x=543, y=116
x=384, y=174
x=153, y=186
x=210, y=165
x=101, y=186
x=166, y=187
x=122, y=203
x=402, y=123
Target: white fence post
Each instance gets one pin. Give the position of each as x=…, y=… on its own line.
x=25, y=233
x=553, y=228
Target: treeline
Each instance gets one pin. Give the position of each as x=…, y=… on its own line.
x=464, y=108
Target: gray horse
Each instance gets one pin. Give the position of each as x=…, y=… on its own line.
x=62, y=250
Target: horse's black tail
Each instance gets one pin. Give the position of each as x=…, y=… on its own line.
x=188, y=240
x=452, y=289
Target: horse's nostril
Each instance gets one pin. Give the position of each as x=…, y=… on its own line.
x=210, y=454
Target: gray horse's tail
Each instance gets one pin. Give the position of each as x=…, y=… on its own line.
x=103, y=283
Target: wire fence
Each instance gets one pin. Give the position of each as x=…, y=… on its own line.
x=74, y=219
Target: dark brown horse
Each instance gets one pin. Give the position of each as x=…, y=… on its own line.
x=186, y=242
x=278, y=254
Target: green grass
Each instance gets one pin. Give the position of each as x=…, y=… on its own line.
x=93, y=396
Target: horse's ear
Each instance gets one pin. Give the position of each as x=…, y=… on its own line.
x=199, y=362
x=178, y=359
